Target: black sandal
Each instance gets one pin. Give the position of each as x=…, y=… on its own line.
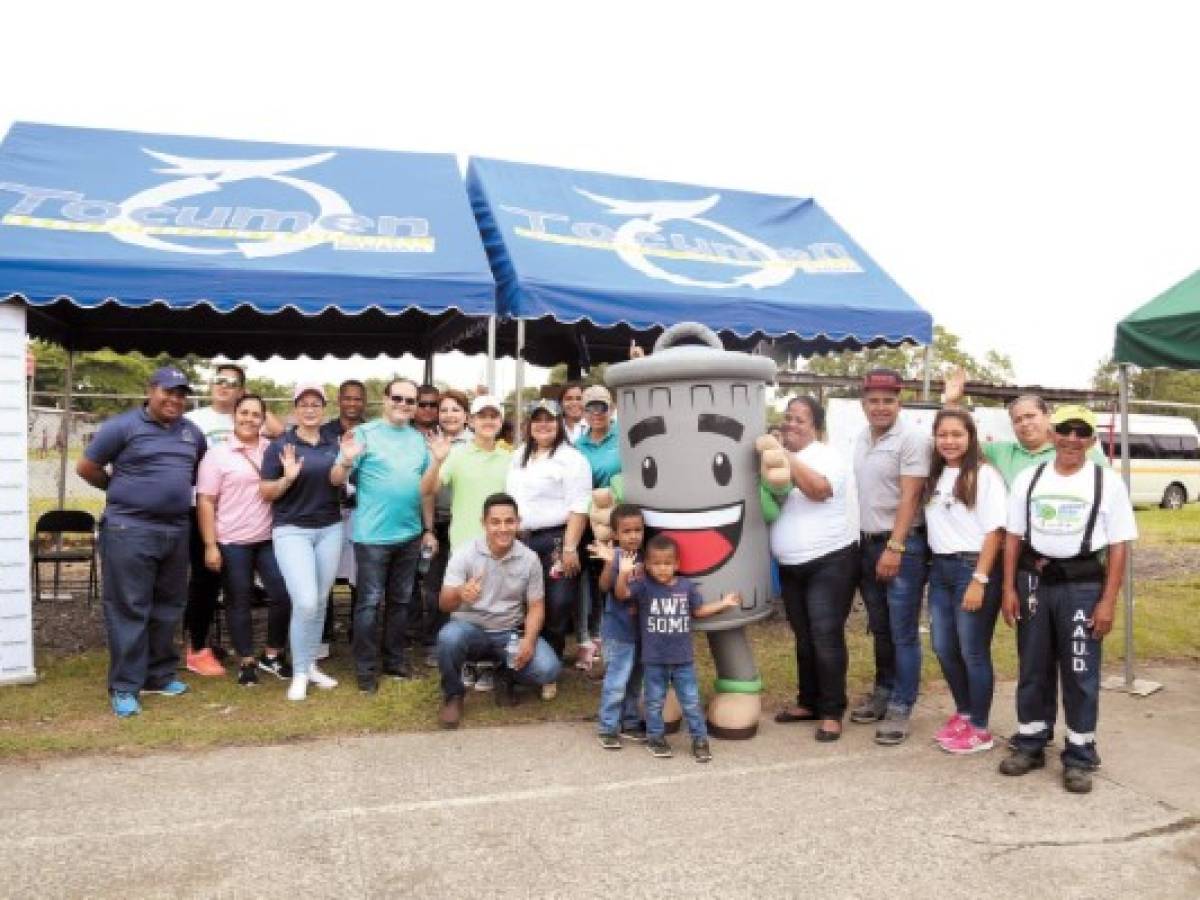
x=827, y=737
x=785, y=716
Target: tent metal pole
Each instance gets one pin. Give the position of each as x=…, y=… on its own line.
x=928, y=366
x=428, y=376
x=520, y=381
x=491, y=351
x=1123, y=399
x=65, y=430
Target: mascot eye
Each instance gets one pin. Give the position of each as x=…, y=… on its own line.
x=722, y=470
x=649, y=472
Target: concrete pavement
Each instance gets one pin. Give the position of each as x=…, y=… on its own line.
x=542, y=811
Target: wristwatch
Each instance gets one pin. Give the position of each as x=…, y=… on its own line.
x=980, y=577
x=895, y=546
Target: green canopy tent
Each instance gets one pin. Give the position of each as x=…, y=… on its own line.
x=1164, y=333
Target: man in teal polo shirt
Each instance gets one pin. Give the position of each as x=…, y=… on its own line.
x=386, y=458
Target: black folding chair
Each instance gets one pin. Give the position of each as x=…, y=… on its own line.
x=54, y=525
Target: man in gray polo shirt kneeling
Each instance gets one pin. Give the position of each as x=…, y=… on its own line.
x=494, y=593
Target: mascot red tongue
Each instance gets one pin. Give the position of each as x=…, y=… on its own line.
x=700, y=551
x=691, y=413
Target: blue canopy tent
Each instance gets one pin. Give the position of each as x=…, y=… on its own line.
x=162, y=243
x=173, y=244
x=589, y=261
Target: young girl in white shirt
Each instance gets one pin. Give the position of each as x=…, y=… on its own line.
x=965, y=503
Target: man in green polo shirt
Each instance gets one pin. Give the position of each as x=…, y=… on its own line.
x=473, y=471
x=1030, y=417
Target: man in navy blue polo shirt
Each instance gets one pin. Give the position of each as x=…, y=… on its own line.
x=145, y=461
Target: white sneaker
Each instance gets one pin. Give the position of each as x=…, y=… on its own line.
x=298, y=689
x=468, y=674
x=322, y=651
x=549, y=691
x=485, y=677
x=320, y=679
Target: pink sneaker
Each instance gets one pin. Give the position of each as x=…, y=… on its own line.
x=972, y=740
x=954, y=726
x=203, y=662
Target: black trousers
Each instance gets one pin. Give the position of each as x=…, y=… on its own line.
x=817, y=596
x=203, y=591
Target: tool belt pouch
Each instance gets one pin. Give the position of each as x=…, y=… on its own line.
x=1085, y=567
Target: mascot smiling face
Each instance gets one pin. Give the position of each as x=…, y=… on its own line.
x=689, y=419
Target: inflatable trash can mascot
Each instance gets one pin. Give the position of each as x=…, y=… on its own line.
x=695, y=457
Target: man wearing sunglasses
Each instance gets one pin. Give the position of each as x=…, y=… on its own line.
x=204, y=586
x=425, y=417
x=386, y=458
x=1069, y=527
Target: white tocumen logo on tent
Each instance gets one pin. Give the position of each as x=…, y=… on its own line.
x=206, y=176
x=648, y=217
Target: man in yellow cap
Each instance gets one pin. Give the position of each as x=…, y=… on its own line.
x=1069, y=527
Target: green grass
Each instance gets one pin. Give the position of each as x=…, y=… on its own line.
x=66, y=712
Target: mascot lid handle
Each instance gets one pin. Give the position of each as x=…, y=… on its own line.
x=688, y=333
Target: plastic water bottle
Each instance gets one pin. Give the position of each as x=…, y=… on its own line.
x=556, y=566
x=426, y=559
x=511, y=649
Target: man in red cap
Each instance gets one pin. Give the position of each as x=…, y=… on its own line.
x=891, y=463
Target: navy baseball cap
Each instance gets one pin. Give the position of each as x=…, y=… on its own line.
x=169, y=378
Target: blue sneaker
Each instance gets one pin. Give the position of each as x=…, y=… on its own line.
x=171, y=689
x=125, y=704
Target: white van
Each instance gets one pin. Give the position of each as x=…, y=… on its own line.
x=1164, y=457
x=1164, y=451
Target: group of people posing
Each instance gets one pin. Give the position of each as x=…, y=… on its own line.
x=487, y=547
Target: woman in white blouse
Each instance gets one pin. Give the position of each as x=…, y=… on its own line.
x=818, y=561
x=552, y=484
x=965, y=505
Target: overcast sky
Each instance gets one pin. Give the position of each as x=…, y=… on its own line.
x=1028, y=172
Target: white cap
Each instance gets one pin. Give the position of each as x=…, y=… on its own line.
x=486, y=401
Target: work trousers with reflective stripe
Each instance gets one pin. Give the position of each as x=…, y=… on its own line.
x=1055, y=646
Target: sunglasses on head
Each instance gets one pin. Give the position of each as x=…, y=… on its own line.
x=227, y=381
x=1078, y=429
x=400, y=398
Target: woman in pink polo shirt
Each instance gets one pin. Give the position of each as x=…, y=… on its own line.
x=235, y=523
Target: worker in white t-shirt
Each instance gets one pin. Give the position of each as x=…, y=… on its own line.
x=1069, y=527
x=818, y=561
x=965, y=508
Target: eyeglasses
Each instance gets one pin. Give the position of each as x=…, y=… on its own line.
x=398, y=398
x=1079, y=430
x=596, y=406
x=226, y=381
x=428, y=404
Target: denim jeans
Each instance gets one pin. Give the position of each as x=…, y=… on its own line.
x=622, y=687
x=143, y=589
x=816, y=597
x=203, y=591
x=459, y=642
x=239, y=562
x=561, y=593
x=308, y=559
x=1055, y=644
x=660, y=676
x=893, y=612
x=962, y=640
x=432, y=618
x=385, y=578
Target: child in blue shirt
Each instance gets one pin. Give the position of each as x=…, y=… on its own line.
x=666, y=606
x=619, y=631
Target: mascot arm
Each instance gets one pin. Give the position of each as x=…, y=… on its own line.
x=603, y=501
